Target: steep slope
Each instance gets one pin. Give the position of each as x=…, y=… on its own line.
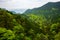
x=30, y=27
x=6, y=19
x=45, y=8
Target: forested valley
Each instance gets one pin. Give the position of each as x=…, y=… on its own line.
x=35, y=24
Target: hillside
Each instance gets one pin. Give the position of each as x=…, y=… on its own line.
x=50, y=10
x=45, y=8
x=35, y=24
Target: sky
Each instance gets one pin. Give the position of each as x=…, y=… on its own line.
x=23, y=4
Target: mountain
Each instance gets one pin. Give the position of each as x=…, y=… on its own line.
x=45, y=8
x=51, y=11
x=41, y=23
x=18, y=10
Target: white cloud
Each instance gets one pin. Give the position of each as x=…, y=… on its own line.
x=23, y=4
x=54, y=0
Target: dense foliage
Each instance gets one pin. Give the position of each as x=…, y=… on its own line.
x=43, y=26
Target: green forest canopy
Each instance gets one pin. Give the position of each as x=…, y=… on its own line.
x=45, y=25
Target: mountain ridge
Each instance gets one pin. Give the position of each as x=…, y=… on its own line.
x=18, y=10
x=47, y=6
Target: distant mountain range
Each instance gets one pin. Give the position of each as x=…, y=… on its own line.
x=48, y=6
x=45, y=8
x=18, y=10
x=51, y=11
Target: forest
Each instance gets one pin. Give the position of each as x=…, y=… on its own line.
x=35, y=24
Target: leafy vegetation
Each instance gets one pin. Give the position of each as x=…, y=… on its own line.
x=45, y=25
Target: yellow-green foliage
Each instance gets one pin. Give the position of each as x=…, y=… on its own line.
x=29, y=27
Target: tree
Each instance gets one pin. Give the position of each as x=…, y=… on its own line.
x=6, y=34
x=57, y=36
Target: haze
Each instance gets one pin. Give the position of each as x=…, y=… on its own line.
x=23, y=4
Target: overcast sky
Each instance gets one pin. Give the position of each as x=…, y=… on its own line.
x=23, y=4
